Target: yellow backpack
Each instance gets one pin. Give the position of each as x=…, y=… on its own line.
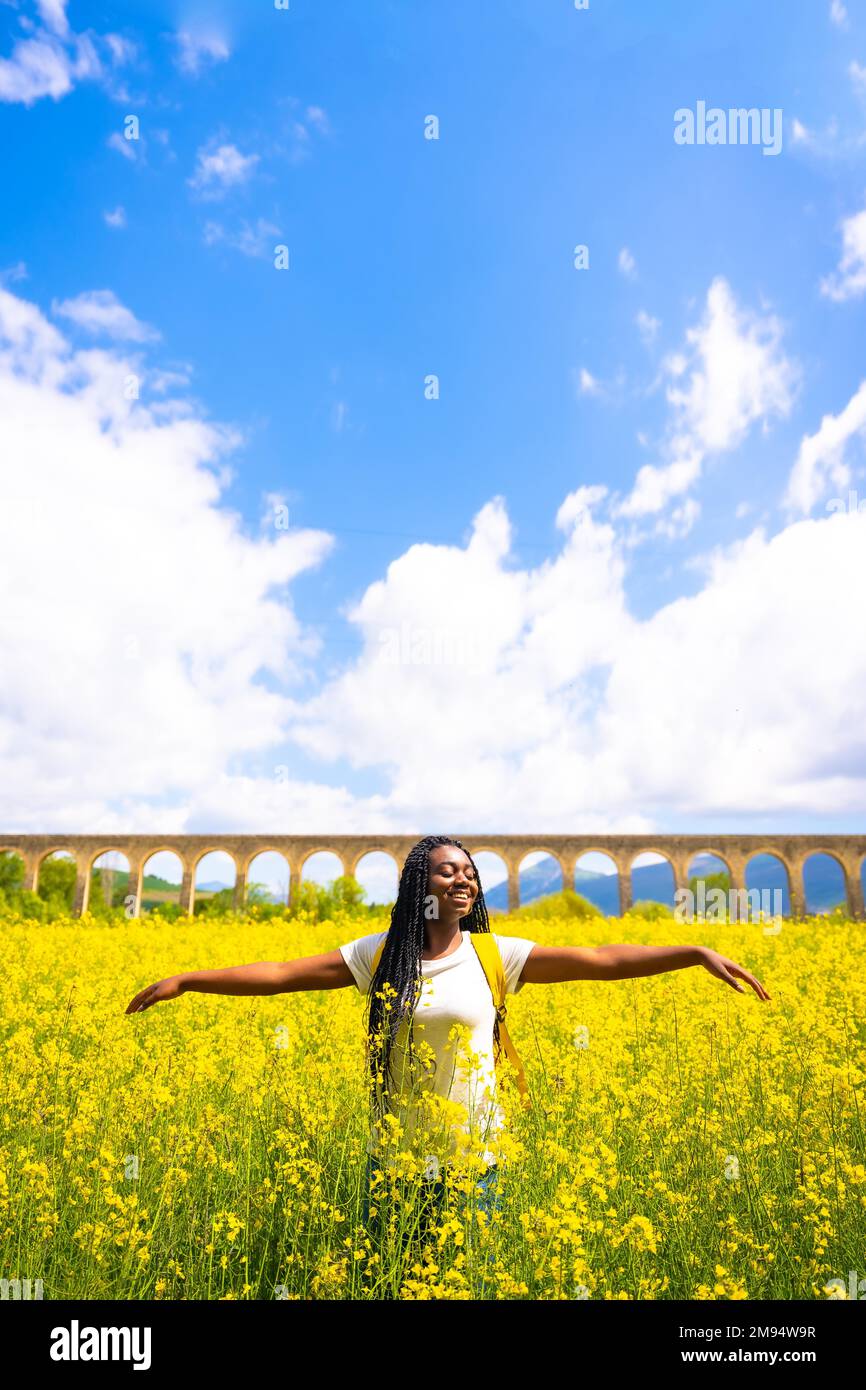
x=491, y=962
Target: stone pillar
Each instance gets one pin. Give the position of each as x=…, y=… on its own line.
x=567, y=878
x=795, y=887
x=738, y=905
x=351, y=862
x=513, y=886
x=680, y=867
x=187, y=888
x=623, y=871
x=854, y=890
x=31, y=872
x=82, y=887
x=239, y=896
x=133, y=888
x=680, y=871
x=737, y=871
x=294, y=878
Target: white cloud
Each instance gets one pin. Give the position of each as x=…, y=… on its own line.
x=101, y=312
x=739, y=374
x=519, y=637
x=732, y=375
x=762, y=727
x=198, y=48
x=145, y=619
x=38, y=68
x=161, y=379
x=849, y=279
x=538, y=698
x=587, y=384
x=838, y=14
x=128, y=148
x=679, y=521
x=318, y=118
x=115, y=218
x=626, y=263
x=579, y=504
x=648, y=326
x=13, y=273
x=53, y=15
x=221, y=168
x=151, y=658
x=835, y=140
x=51, y=60
x=821, y=460
x=255, y=239
x=250, y=239
x=301, y=125
x=857, y=73
x=122, y=50
x=655, y=486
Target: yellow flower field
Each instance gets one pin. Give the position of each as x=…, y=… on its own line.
x=684, y=1141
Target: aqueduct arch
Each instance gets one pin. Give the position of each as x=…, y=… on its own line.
x=734, y=850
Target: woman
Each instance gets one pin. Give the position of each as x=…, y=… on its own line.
x=431, y=1021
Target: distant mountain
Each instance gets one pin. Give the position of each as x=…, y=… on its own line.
x=824, y=884
x=544, y=878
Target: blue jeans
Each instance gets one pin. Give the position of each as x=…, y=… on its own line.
x=487, y=1197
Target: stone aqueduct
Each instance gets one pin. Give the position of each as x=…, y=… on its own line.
x=735, y=851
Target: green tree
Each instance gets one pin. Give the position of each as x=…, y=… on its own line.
x=11, y=873
x=57, y=882
x=568, y=903
x=650, y=911
x=169, y=912
x=344, y=894
x=223, y=901
x=710, y=882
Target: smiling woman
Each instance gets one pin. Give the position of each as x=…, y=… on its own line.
x=435, y=1007
x=436, y=1012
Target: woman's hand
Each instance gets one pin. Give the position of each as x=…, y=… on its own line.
x=726, y=970
x=155, y=994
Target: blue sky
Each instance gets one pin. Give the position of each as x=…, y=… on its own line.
x=717, y=330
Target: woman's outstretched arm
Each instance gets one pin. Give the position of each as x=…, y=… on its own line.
x=327, y=971
x=549, y=965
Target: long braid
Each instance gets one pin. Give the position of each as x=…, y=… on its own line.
x=400, y=963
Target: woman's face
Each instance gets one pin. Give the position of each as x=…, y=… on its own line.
x=451, y=881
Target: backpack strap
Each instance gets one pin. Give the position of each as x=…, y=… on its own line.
x=490, y=958
x=487, y=950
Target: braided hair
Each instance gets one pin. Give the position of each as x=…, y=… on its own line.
x=400, y=963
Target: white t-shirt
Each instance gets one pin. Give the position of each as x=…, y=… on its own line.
x=455, y=1103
